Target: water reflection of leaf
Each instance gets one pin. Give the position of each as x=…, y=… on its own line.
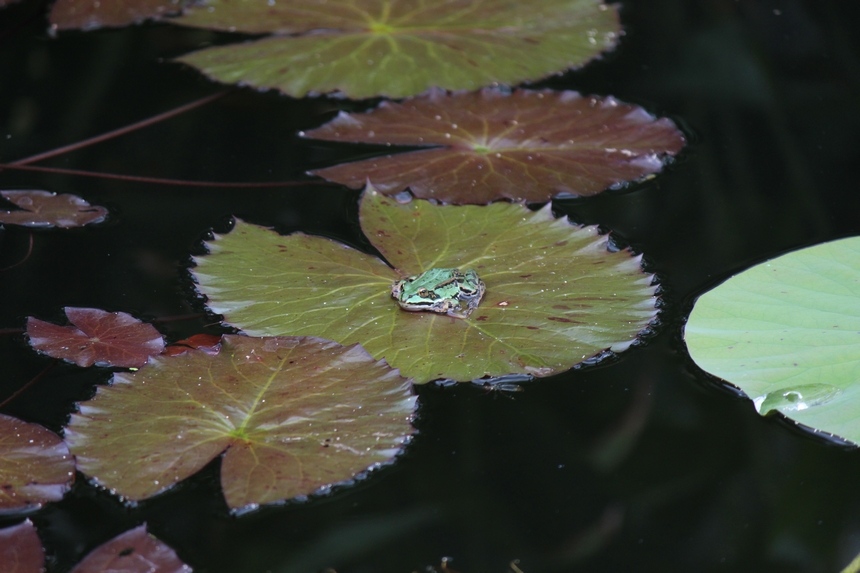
x=397, y=48
x=555, y=295
x=787, y=332
x=488, y=145
x=290, y=415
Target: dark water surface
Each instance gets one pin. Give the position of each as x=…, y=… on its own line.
x=643, y=464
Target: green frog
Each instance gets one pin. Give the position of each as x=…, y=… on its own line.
x=446, y=291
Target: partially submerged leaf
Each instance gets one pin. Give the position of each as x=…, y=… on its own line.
x=134, y=551
x=398, y=48
x=90, y=14
x=209, y=343
x=35, y=466
x=528, y=145
x=97, y=337
x=21, y=549
x=787, y=332
x=555, y=296
x=291, y=415
x=46, y=209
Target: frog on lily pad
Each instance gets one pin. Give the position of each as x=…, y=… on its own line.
x=445, y=291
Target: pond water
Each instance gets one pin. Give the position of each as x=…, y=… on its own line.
x=643, y=463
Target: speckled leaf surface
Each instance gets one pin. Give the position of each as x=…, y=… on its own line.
x=96, y=337
x=21, y=549
x=291, y=415
x=555, y=295
x=398, y=48
x=528, y=145
x=134, y=551
x=35, y=465
x=787, y=332
x=46, y=209
x=91, y=14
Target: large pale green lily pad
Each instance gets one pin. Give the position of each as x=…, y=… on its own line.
x=291, y=415
x=489, y=145
x=787, y=332
x=398, y=48
x=555, y=296
x=35, y=465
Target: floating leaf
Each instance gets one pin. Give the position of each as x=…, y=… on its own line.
x=293, y=415
x=90, y=14
x=134, y=551
x=554, y=295
x=787, y=332
x=529, y=145
x=398, y=48
x=45, y=209
x=209, y=343
x=97, y=337
x=21, y=549
x=35, y=465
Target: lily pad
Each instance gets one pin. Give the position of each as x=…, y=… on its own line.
x=35, y=466
x=89, y=15
x=291, y=415
x=134, y=551
x=787, y=332
x=21, y=549
x=46, y=209
x=397, y=48
x=97, y=337
x=555, y=296
x=488, y=145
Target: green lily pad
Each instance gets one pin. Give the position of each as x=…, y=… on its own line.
x=787, y=333
x=35, y=465
x=90, y=14
x=528, y=145
x=21, y=549
x=555, y=296
x=291, y=415
x=396, y=48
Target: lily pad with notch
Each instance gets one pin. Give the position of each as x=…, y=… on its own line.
x=35, y=466
x=787, y=333
x=96, y=337
x=555, y=295
x=291, y=416
x=490, y=145
x=398, y=48
x=46, y=209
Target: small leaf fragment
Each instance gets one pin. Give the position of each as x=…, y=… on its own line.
x=21, y=549
x=134, y=551
x=35, y=465
x=89, y=14
x=291, y=415
x=787, y=332
x=97, y=337
x=46, y=209
x=489, y=145
x=208, y=343
x=399, y=48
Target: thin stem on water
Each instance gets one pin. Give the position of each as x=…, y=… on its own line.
x=35, y=379
x=157, y=180
x=117, y=132
x=27, y=256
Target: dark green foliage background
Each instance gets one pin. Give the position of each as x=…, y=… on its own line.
x=770, y=92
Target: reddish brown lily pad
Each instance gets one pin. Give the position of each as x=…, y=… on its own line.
x=97, y=337
x=291, y=415
x=134, y=551
x=21, y=549
x=35, y=465
x=209, y=343
x=90, y=14
x=488, y=145
x=46, y=209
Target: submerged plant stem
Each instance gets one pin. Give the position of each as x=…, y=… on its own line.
x=32, y=381
x=26, y=257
